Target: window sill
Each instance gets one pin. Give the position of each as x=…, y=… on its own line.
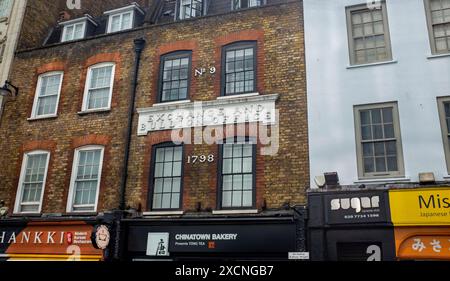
x=80, y=214
x=3, y=19
x=163, y=213
x=42, y=117
x=93, y=111
x=238, y=96
x=371, y=64
x=383, y=180
x=438, y=56
x=169, y=103
x=233, y=212
x=18, y=215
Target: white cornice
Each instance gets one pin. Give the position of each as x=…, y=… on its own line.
x=133, y=6
x=218, y=102
x=85, y=18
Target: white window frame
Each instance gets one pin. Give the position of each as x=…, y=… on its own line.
x=74, y=25
x=36, y=95
x=84, y=107
x=76, y=157
x=233, y=7
x=19, y=193
x=445, y=133
x=398, y=138
x=430, y=26
x=351, y=38
x=121, y=19
x=182, y=16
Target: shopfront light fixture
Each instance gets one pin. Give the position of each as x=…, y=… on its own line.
x=331, y=179
x=9, y=90
x=426, y=178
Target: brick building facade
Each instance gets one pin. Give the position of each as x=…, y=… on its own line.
x=79, y=128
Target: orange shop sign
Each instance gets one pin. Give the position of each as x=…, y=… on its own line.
x=49, y=241
x=423, y=243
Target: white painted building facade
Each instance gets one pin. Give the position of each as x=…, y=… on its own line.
x=11, y=17
x=348, y=83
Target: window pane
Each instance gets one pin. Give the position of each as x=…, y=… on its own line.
x=380, y=164
x=167, y=178
x=33, y=180
x=227, y=183
x=226, y=199
x=247, y=165
x=87, y=179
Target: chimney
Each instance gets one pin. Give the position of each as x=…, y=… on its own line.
x=63, y=16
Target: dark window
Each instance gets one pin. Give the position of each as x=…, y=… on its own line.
x=175, y=76
x=359, y=251
x=190, y=9
x=237, y=174
x=167, y=177
x=239, y=68
x=242, y=4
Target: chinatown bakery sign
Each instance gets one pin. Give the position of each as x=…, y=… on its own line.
x=48, y=239
x=223, y=111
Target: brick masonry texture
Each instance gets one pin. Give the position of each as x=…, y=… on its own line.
x=281, y=70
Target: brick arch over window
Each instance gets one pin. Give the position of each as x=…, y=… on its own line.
x=165, y=49
x=117, y=86
x=30, y=146
x=245, y=35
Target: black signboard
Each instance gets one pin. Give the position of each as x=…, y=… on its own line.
x=356, y=207
x=213, y=238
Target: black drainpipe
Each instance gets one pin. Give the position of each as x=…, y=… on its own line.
x=138, y=47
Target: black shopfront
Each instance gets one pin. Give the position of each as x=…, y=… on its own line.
x=348, y=225
x=215, y=238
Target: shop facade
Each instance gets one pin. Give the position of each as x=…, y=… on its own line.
x=261, y=238
x=349, y=225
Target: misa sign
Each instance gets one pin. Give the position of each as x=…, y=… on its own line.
x=426, y=206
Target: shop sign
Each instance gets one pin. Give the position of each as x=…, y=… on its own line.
x=48, y=238
x=158, y=244
x=423, y=244
x=101, y=237
x=429, y=206
x=356, y=207
x=162, y=240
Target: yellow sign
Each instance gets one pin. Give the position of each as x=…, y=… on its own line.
x=425, y=206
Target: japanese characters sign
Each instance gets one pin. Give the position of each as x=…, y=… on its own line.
x=420, y=206
x=423, y=243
